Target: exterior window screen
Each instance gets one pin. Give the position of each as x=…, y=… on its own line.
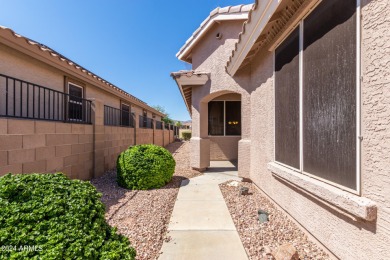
x=287, y=101
x=320, y=64
x=233, y=118
x=75, y=104
x=216, y=115
x=329, y=92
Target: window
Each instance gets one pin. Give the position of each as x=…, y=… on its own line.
x=75, y=104
x=315, y=95
x=216, y=116
x=145, y=118
x=125, y=114
x=287, y=101
x=224, y=118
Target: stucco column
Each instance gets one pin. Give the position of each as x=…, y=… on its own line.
x=244, y=145
x=200, y=144
x=97, y=116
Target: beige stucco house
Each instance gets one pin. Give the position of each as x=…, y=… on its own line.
x=56, y=115
x=298, y=92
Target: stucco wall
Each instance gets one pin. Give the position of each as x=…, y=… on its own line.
x=346, y=237
x=21, y=66
x=228, y=97
x=224, y=148
x=210, y=56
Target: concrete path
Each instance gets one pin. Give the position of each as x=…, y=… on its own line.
x=201, y=226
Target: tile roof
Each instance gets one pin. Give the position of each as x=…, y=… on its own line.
x=228, y=10
x=254, y=7
x=267, y=21
x=187, y=73
x=71, y=63
x=186, y=91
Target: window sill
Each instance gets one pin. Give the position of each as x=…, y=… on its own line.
x=360, y=207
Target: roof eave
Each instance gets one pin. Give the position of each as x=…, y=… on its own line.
x=189, y=79
x=185, y=101
x=253, y=27
x=183, y=53
x=52, y=58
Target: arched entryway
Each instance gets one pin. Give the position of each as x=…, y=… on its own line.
x=219, y=129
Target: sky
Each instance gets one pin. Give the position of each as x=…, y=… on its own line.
x=131, y=44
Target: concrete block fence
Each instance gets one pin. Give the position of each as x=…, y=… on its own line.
x=81, y=151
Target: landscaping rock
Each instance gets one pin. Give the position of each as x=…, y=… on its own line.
x=233, y=184
x=243, y=191
x=267, y=250
x=260, y=239
x=286, y=252
x=263, y=216
x=143, y=215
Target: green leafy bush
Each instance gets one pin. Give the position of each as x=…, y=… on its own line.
x=49, y=216
x=186, y=135
x=143, y=167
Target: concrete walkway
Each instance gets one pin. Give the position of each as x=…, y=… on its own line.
x=201, y=226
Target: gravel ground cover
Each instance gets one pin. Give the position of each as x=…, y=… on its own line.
x=143, y=216
x=260, y=240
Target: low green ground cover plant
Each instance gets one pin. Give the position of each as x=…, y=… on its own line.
x=49, y=216
x=186, y=135
x=143, y=167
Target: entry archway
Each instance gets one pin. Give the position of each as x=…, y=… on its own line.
x=220, y=126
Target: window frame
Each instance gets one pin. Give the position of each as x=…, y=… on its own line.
x=224, y=119
x=145, y=118
x=129, y=106
x=75, y=102
x=300, y=25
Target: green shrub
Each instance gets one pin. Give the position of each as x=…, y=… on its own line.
x=49, y=216
x=143, y=167
x=186, y=135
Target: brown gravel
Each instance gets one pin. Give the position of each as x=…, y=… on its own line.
x=260, y=239
x=143, y=216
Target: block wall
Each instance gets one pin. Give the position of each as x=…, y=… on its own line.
x=80, y=151
x=28, y=146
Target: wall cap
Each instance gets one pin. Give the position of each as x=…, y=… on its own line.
x=358, y=206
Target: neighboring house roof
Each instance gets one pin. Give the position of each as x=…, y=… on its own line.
x=267, y=23
x=238, y=12
x=185, y=80
x=73, y=65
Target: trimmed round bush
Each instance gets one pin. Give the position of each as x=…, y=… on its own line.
x=49, y=216
x=143, y=167
x=186, y=135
